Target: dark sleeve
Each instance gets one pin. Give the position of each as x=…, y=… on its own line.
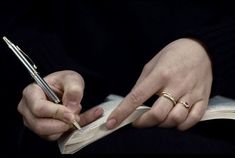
x=218, y=37
x=31, y=28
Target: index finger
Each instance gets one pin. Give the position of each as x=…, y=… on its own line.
x=138, y=95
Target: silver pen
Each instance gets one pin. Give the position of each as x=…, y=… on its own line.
x=31, y=67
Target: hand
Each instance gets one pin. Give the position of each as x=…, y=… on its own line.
x=50, y=120
x=183, y=70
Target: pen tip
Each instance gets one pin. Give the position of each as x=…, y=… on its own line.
x=77, y=125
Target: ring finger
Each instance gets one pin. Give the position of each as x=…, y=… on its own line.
x=180, y=112
x=159, y=111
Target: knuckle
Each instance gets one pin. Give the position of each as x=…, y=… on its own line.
x=39, y=129
x=38, y=109
x=119, y=111
x=176, y=117
x=75, y=75
x=81, y=79
x=136, y=97
x=25, y=91
x=19, y=107
x=165, y=74
x=75, y=90
x=195, y=116
x=157, y=116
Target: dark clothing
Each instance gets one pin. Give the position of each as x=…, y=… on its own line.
x=109, y=42
x=201, y=139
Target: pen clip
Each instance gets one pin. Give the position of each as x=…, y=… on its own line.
x=31, y=67
x=31, y=61
x=32, y=70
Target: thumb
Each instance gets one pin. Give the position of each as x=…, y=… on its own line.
x=73, y=86
x=72, y=98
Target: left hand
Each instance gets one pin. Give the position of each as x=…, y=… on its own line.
x=183, y=70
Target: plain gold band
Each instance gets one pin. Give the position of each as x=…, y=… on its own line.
x=169, y=96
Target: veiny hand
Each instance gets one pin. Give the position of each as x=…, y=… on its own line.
x=182, y=69
x=50, y=120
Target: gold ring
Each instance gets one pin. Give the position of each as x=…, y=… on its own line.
x=185, y=104
x=169, y=96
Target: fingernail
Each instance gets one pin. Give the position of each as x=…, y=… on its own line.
x=68, y=117
x=99, y=112
x=111, y=123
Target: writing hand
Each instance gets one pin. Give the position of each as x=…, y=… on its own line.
x=50, y=120
x=183, y=70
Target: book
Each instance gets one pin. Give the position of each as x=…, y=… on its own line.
x=219, y=108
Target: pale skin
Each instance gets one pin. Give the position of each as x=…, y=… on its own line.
x=182, y=68
x=50, y=120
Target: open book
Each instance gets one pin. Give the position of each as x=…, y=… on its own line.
x=219, y=108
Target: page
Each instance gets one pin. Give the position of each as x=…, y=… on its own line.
x=76, y=140
x=219, y=108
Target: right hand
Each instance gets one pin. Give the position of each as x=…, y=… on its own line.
x=50, y=120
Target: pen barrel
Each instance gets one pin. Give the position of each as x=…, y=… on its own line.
x=46, y=88
x=32, y=70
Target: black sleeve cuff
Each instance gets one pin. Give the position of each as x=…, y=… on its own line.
x=219, y=42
